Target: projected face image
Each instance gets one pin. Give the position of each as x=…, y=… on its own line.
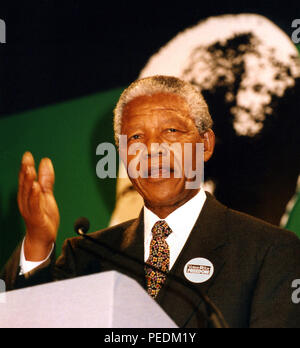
x=250, y=73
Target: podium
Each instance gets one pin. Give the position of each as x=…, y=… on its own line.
x=103, y=300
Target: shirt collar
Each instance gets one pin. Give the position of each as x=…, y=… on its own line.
x=179, y=225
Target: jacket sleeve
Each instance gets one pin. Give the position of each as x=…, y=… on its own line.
x=48, y=271
x=39, y=275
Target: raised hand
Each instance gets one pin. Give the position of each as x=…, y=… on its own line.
x=38, y=207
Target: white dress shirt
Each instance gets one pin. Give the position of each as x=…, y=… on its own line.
x=181, y=221
x=27, y=266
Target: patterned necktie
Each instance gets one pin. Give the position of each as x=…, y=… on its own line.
x=159, y=257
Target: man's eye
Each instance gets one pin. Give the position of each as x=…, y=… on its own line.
x=172, y=130
x=135, y=137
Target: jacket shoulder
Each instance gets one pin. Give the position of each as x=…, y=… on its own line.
x=244, y=226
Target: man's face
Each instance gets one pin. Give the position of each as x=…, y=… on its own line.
x=160, y=119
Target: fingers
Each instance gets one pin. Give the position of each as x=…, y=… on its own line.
x=27, y=161
x=46, y=175
x=27, y=176
x=30, y=191
x=34, y=201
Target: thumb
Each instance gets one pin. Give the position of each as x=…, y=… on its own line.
x=46, y=176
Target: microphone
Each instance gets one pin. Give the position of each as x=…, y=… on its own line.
x=81, y=226
x=213, y=314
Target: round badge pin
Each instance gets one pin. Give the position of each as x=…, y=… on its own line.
x=198, y=270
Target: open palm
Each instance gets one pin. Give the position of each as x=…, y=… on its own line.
x=37, y=205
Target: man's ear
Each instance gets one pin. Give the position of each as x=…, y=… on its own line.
x=209, y=141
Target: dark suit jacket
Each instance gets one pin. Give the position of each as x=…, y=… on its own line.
x=254, y=266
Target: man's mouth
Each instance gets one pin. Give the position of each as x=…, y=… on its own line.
x=155, y=172
x=159, y=172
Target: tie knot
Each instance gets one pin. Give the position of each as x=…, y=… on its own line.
x=161, y=229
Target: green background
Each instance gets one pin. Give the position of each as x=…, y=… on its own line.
x=68, y=133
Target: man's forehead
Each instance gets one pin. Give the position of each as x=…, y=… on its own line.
x=169, y=101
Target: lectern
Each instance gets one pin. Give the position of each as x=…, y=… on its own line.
x=103, y=300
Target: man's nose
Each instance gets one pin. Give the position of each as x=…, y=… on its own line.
x=155, y=146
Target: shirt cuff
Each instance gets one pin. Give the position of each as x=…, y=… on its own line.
x=27, y=266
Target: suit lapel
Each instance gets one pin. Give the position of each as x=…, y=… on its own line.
x=207, y=240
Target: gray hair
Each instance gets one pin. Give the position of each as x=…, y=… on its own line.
x=164, y=84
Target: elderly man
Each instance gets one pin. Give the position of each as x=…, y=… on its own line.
x=246, y=266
